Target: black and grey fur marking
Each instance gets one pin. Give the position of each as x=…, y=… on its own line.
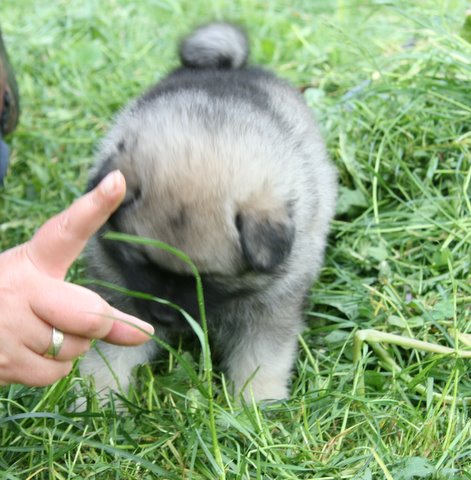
x=217, y=45
x=265, y=243
x=226, y=163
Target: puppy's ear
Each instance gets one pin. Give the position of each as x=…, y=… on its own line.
x=266, y=237
x=97, y=176
x=133, y=191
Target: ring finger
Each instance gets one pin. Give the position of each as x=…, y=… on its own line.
x=68, y=347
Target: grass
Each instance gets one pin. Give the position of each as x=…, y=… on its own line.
x=390, y=83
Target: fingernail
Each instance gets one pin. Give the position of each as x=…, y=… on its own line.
x=110, y=184
x=129, y=319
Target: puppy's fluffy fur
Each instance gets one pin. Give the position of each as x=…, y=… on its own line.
x=226, y=163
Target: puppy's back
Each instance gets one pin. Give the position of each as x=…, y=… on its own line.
x=234, y=148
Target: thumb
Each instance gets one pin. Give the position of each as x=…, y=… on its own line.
x=60, y=240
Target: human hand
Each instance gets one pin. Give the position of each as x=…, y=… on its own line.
x=34, y=297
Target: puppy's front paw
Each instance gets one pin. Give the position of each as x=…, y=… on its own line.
x=88, y=397
x=264, y=389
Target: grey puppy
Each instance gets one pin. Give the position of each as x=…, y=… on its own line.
x=226, y=163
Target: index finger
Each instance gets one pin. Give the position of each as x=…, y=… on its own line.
x=60, y=240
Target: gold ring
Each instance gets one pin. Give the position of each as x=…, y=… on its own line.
x=57, y=339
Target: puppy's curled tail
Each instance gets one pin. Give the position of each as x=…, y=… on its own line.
x=215, y=45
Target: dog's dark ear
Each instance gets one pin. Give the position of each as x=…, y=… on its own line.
x=133, y=189
x=106, y=167
x=266, y=237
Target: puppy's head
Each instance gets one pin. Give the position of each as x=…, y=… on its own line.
x=220, y=236
x=207, y=195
